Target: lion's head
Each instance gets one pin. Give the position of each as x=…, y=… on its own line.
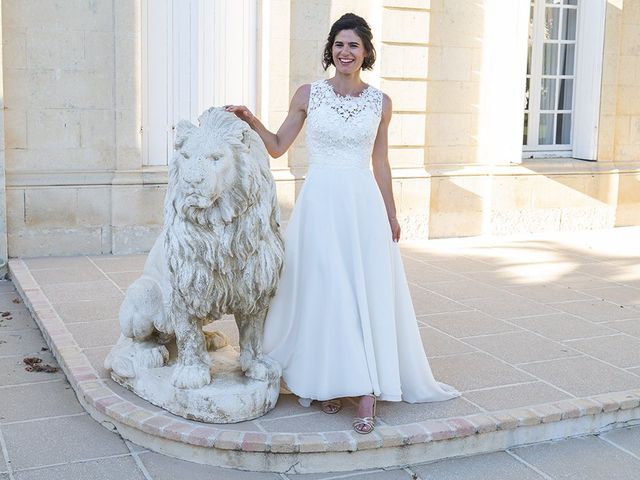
x=209, y=168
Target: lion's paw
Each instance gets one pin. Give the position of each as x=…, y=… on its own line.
x=264, y=369
x=191, y=376
x=129, y=357
x=122, y=366
x=154, y=357
x=141, y=308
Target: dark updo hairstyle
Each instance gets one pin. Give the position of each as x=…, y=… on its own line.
x=351, y=21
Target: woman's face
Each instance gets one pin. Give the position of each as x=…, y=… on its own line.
x=348, y=52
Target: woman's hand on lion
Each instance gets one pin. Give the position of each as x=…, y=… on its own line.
x=242, y=112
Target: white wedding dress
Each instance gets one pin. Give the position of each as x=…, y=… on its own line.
x=342, y=322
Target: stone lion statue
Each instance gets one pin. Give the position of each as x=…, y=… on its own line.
x=221, y=252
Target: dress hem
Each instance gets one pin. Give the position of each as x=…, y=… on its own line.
x=343, y=394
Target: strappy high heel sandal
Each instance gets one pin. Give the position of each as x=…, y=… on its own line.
x=365, y=425
x=332, y=406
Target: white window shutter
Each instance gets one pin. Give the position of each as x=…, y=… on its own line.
x=591, y=21
x=195, y=54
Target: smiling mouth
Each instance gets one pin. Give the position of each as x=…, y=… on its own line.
x=345, y=61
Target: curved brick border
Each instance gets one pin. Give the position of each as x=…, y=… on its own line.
x=387, y=446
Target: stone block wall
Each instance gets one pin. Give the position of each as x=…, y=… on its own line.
x=619, y=137
x=72, y=126
x=71, y=81
x=3, y=198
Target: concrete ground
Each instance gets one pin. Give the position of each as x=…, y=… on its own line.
x=511, y=322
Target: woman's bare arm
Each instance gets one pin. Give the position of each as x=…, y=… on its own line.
x=278, y=143
x=381, y=168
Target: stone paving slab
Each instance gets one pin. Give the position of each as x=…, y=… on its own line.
x=102, y=469
x=36, y=443
x=493, y=466
x=587, y=460
x=21, y=402
x=580, y=385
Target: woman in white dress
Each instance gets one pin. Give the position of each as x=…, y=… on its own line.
x=342, y=323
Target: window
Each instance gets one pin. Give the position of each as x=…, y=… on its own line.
x=563, y=79
x=195, y=54
x=551, y=75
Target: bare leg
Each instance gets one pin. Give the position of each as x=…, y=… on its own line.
x=253, y=363
x=365, y=406
x=364, y=421
x=192, y=368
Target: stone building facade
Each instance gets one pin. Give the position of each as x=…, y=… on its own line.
x=92, y=88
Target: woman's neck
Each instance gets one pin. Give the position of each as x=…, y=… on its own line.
x=347, y=84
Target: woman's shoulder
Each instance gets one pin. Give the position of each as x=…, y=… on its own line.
x=378, y=92
x=301, y=96
x=386, y=101
x=381, y=99
x=303, y=90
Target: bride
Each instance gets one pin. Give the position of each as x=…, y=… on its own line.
x=342, y=323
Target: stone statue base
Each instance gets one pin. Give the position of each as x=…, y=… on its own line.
x=230, y=397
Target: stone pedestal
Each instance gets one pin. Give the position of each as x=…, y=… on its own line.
x=230, y=397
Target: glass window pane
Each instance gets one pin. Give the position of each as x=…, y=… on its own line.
x=526, y=94
x=550, y=59
x=565, y=95
x=529, y=61
x=569, y=27
x=563, y=129
x=571, y=2
x=531, y=18
x=567, y=59
x=545, y=132
x=548, y=94
x=554, y=2
x=551, y=23
x=526, y=128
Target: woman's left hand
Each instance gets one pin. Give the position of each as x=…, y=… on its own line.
x=395, y=229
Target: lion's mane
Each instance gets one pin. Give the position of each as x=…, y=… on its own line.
x=226, y=257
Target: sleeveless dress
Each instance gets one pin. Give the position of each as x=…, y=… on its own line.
x=342, y=322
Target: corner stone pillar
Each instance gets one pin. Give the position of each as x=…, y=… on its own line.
x=3, y=197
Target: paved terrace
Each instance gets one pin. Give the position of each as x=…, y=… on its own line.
x=532, y=330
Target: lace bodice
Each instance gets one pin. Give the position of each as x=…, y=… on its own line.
x=341, y=130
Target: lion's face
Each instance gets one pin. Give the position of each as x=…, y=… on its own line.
x=207, y=167
x=215, y=175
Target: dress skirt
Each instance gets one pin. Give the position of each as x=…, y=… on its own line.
x=342, y=322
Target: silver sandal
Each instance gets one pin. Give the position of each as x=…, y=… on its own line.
x=331, y=407
x=365, y=425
